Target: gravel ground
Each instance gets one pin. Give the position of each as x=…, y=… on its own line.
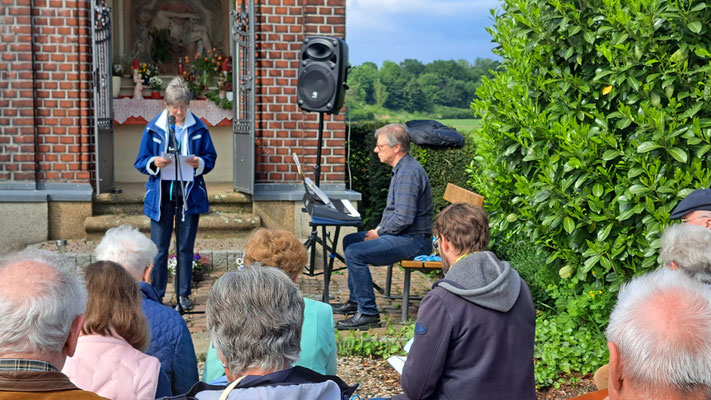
x=376, y=377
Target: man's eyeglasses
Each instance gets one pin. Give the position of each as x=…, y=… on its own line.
x=696, y=218
x=382, y=146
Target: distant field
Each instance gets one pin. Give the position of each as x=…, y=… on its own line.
x=464, y=125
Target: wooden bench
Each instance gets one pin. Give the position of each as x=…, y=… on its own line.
x=453, y=194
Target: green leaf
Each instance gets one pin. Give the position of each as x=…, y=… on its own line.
x=647, y=147
x=678, y=154
x=638, y=189
x=589, y=37
x=610, y=154
x=511, y=217
x=568, y=225
x=698, y=7
x=694, y=26
x=590, y=262
x=603, y=233
x=565, y=272
x=597, y=190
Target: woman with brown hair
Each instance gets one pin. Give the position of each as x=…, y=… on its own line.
x=109, y=358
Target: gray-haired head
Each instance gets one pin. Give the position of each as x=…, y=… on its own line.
x=395, y=134
x=688, y=246
x=129, y=248
x=177, y=92
x=40, y=296
x=661, y=327
x=254, y=318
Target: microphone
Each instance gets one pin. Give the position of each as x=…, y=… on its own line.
x=171, y=133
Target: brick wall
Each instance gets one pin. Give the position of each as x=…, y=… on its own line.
x=53, y=143
x=282, y=127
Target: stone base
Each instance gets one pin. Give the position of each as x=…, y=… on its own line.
x=66, y=219
x=23, y=224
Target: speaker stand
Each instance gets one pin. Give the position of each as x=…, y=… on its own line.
x=317, y=168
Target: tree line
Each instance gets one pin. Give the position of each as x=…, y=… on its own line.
x=416, y=87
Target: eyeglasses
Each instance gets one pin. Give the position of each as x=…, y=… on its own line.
x=698, y=217
x=382, y=146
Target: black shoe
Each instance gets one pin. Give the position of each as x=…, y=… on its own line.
x=359, y=321
x=346, y=308
x=185, y=303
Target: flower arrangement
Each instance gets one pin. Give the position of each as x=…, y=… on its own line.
x=155, y=83
x=202, y=69
x=199, y=263
x=147, y=71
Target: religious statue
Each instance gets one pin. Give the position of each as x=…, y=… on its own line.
x=138, y=89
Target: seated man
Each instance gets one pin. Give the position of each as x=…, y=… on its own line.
x=694, y=209
x=42, y=303
x=254, y=318
x=170, y=338
x=475, y=329
x=659, y=337
x=404, y=232
x=280, y=248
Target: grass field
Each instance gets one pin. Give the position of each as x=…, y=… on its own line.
x=462, y=125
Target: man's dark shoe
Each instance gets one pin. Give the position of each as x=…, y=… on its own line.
x=359, y=321
x=346, y=308
x=185, y=303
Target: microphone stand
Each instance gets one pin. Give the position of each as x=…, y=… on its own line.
x=173, y=149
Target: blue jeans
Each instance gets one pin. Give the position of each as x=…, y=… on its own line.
x=385, y=250
x=161, y=233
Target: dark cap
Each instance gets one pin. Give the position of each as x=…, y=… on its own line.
x=696, y=201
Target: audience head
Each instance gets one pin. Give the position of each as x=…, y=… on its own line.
x=461, y=229
x=395, y=134
x=114, y=304
x=659, y=337
x=277, y=248
x=129, y=248
x=254, y=319
x=688, y=248
x=42, y=300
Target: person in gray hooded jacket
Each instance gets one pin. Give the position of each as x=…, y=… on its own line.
x=475, y=329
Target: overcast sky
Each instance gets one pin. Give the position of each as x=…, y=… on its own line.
x=426, y=30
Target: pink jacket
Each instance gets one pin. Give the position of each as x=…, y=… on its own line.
x=111, y=367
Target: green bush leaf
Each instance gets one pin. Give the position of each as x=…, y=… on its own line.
x=568, y=224
x=678, y=154
x=647, y=147
x=694, y=26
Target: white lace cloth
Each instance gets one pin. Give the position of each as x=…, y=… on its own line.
x=149, y=108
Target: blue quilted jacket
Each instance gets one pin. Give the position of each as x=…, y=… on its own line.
x=171, y=344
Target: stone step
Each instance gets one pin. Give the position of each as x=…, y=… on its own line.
x=132, y=203
x=212, y=225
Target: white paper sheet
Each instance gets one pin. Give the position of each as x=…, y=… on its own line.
x=167, y=173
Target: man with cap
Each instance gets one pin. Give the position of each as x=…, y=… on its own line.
x=694, y=209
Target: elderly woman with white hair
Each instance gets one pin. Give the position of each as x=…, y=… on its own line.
x=192, y=140
x=254, y=318
x=687, y=247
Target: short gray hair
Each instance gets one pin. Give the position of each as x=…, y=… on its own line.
x=662, y=328
x=395, y=134
x=128, y=247
x=254, y=318
x=177, y=92
x=38, y=306
x=689, y=246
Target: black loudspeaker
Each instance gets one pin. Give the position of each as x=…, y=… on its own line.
x=323, y=66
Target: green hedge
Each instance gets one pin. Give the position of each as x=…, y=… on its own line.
x=372, y=178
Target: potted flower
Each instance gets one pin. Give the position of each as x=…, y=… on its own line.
x=156, y=85
x=117, y=72
x=147, y=71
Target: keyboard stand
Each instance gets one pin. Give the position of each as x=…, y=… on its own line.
x=327, y=250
